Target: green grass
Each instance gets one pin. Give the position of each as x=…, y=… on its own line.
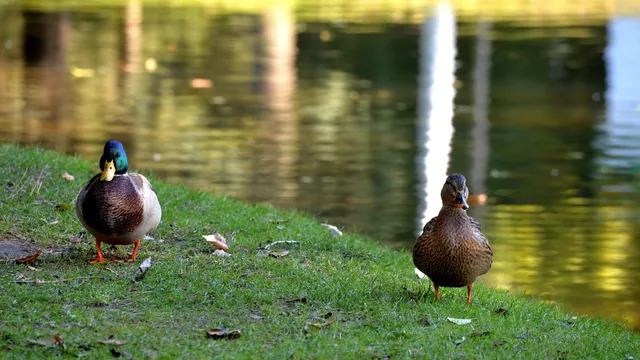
x=371, y=291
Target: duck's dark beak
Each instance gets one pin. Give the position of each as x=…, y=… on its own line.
x=462, y=202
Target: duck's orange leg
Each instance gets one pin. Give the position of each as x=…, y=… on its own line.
x=135, y=251
x=435, y=286
x=99, y=258
x=469, y=290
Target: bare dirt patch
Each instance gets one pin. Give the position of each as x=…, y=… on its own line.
x=15, y=249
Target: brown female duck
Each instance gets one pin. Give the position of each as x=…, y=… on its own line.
x=452, y=251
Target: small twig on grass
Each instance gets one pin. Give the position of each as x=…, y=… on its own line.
x=38, y=184
x=109, y=270
x=38, y=281
x=280, y=242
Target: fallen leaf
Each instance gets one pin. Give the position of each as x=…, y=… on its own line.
x=32, y=268
x=146, y=264
x=63, y=206
x=218, y=241
x=420, y=274
x=221, y=333
x=29, y=259
x=144, y=267
x=480, y=334
x=68, y=176
x=221, y=253
x=425, y=321
x=324, y=324
x=277, y=254
x=501, y=311
x=459, y=321
x=50, y=341
x=256, y=317
x=334, y=230
x=115, y=342
x=59, y=341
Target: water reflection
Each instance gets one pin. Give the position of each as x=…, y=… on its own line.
x=435, y=108
x=329, y=117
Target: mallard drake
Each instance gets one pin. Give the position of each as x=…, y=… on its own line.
x=115, y=206
x=452, y=251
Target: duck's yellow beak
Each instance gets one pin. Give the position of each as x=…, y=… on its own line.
x=463, y=204
x=109, y=171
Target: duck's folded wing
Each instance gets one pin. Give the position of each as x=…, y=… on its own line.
x=476, y=225
x=429, y=225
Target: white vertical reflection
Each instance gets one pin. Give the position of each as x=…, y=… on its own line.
x=621, y=129
x=435, y=108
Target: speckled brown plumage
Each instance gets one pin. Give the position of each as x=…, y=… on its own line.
x=113, y=208
x=452, y=251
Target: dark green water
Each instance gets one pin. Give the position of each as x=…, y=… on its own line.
x=332, y=118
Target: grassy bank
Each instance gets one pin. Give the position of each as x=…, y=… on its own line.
x=330, y=297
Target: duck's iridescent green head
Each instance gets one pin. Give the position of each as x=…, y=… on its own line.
x=113, y=161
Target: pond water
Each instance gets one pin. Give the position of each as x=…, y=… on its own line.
x=355, y=120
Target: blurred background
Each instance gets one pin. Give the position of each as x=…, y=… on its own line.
x=355, y=111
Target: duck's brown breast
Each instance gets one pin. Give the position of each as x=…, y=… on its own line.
x=113, y=208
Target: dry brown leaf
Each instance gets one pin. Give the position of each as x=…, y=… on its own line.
x=221, y=333
x=68, y=176
x=53, y=340
x=115, y=342
x=29, y=259
x=218, y=241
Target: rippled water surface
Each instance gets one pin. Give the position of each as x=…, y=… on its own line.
x=357, y=119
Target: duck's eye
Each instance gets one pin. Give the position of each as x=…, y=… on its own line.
x=459, y=200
